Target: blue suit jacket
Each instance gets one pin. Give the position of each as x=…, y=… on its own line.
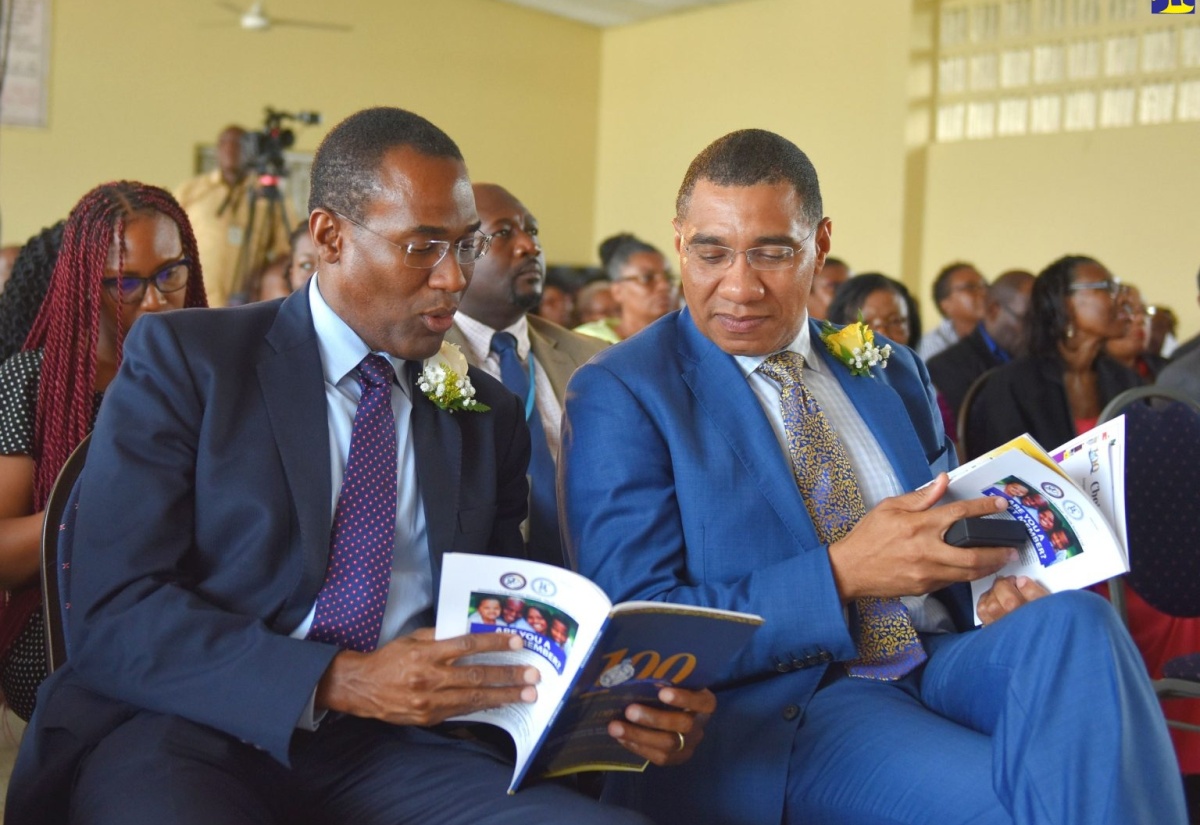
x=203, y=529
x=675, y=488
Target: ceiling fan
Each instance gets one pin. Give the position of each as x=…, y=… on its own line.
x=255, y=18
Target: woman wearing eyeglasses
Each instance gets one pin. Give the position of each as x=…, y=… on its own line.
x=127, y=250
x=1058, y=390
x=642, y=287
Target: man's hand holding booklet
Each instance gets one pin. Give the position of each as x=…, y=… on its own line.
x=595, y=659
x=1069, y=503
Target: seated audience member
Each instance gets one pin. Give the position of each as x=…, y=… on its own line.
x=249, y=644
x=833, y=274
x=1132, y=350
x=1058, y=389
x=530, y=355
x=22, y=299
x=127, y=252
x=558, y=297
x=725, y=458
x=289, y=274
x=1161, y=340
x=218, y=205
x=959, y=292
x=642, y=287
x=1182, y=374
x=880, y=301
x=595, y=302
x=997, y=340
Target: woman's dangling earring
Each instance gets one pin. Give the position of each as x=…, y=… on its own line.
x=1070, y=330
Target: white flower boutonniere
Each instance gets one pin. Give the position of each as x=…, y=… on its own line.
x=444, y=381
x=854, y=346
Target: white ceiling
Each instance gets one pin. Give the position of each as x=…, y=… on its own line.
x=613, y=12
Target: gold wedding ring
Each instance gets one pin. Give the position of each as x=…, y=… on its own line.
x=682, y=741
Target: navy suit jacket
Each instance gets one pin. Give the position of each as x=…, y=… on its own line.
x=675, y=488
x=203, y=532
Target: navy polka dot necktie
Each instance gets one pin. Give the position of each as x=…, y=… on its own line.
x=349, y=610
x=888, y=645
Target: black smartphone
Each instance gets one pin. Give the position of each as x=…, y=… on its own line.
x=987, y=532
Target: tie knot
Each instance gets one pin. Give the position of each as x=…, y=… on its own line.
x=504, y=342
x=375, y=371
x=784, y=368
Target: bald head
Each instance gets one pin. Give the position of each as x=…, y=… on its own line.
x=1006, y=309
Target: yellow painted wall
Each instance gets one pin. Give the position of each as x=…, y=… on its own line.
x=136, y=84
x=1128, y=197
x=828, y=75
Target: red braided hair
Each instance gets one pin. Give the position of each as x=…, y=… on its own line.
x=68, y=326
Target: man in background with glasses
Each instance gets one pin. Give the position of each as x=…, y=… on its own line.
x=260, y=526
x=497, y=331
x=960, y=294
x=725, y=458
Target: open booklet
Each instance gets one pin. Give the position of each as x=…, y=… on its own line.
x=1071, y=501
x=595, y=658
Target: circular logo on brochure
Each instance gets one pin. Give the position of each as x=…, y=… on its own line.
x=512, y=581
x=622, y=671
x=1052, y=490
x=543, y=587
x=1073, y=510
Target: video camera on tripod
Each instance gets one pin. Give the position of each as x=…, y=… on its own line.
x=262, y=152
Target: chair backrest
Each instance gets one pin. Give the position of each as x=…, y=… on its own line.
x=967, y=450
x=1150, y=393
x=1162, y=511
x=59, y=524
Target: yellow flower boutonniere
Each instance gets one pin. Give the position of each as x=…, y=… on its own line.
x=854, y=346
x=444, y=381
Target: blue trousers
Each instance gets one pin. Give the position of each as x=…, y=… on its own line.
x=1046, y=716
x=164, y=769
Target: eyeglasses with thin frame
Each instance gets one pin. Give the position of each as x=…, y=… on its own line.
x=428, y=254
x=131, y=289
x=1112, y=286
x=714, y=257
x=650, y=280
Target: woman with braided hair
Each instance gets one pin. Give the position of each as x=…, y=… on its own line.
x=26, y=289
x=127, y=249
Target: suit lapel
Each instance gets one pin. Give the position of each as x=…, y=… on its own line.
x=557, y=365
x=294, y=394
x=437, y=441
x=884, y=413
x=722, y=390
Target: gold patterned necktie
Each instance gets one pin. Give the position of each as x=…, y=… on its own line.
x=887, y=642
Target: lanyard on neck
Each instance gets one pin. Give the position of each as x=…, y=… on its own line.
x=529, y=394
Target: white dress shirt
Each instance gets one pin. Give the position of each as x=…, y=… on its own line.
x=478, y=336
x=410, y=592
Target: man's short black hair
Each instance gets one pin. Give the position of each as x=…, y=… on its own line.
x=345, y=170
x=941, y=284
x=750, y=157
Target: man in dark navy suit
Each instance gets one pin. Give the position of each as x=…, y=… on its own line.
x=204, y=573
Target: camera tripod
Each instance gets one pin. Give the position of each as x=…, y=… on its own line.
x=264, y=196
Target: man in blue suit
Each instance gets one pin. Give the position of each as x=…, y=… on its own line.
x=197, y=689
x=687, y=475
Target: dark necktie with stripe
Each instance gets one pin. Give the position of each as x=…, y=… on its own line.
x=544, y=542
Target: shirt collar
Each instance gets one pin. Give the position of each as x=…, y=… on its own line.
x=801, y=344
x=479, y=335
x=340, y=347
